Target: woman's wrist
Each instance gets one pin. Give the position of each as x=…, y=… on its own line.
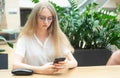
x=38, y=69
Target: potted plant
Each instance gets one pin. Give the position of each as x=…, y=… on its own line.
x=4, y=56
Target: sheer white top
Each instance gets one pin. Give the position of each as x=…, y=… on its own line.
x=35, y=52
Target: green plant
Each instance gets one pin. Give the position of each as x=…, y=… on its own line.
x=92, y=29
x=99, y=29
x=8, y=43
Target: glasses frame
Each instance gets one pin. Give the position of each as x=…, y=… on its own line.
x=43, y=18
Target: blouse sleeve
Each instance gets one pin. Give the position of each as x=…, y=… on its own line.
x=20, y=47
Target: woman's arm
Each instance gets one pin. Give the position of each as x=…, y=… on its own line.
x=114, y=59
x=71, y=61
x=45, y=69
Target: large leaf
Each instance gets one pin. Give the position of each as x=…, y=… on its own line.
x=2, y=50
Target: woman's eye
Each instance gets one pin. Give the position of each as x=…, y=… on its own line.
x=42, y=18
x=49, y=18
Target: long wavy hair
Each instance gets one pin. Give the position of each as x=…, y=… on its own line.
x=59, y=38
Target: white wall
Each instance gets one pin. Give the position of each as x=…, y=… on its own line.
x=12, y=14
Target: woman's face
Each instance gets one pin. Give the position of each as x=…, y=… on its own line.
x=44, y=19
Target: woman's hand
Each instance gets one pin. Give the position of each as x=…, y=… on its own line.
x=48, y=68
x=61, y=65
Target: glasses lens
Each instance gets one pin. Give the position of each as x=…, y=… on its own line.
x=43, y=18
x=50, y=18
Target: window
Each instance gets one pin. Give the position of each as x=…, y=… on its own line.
x=24, y=12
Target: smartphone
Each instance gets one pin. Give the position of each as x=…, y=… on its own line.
x=58, y=59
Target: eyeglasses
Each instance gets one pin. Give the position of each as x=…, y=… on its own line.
x=43, y=18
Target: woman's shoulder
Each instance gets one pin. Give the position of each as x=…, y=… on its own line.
x=22, y=38
x=25, y=38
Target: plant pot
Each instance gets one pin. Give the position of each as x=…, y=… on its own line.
x=92, y=57
x=3, y=61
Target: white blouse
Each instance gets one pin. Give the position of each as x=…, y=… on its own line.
x=35, y=52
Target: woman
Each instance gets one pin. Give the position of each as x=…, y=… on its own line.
x=41, y=41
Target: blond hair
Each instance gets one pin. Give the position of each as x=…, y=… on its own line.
x=58, y=36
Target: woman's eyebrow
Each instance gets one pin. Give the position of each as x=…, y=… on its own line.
x=45, y=16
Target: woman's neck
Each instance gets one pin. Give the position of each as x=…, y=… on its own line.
x=42, y=35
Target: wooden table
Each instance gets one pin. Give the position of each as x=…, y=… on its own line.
x=79, y=72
